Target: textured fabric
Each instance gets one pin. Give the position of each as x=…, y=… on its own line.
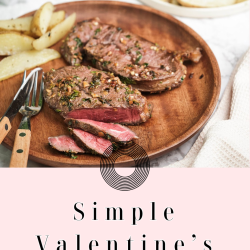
x=224, y=141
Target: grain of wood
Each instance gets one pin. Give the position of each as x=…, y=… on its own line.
x=5, y=127
x=20, y=152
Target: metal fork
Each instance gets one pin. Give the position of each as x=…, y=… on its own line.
x=20, y=153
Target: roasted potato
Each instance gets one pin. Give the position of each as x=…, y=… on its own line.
x=206, y=3
x=12, y=42
x=41, y=19
x=25, y=60
x=57, y=33
x=57, y=17
x=19, y=24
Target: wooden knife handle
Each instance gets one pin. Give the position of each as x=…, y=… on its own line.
x=5, y=127
x=20, y=153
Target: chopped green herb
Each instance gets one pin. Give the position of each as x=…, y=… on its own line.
x=105, y=63
x=130, y=65
x=162, y=67
x=86, y=99
x=152, y=73
x=128, y=36
x=145, y=64
x=115, y=146
x=139, y=57
x=127, y=80
x=128, y=50
x=78, y=42
x=97, y=31
x=88, y=67
x=119, y=29
x=58, y=110
x=73, y=156
x=108, y=136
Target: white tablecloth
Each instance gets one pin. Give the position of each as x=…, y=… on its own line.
x=228, y=37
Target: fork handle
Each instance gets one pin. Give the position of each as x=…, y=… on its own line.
x=5, y=127
x=20, y=153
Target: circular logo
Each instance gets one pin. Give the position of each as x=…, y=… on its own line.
x=125, y=183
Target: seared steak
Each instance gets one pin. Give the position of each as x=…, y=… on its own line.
x=64, y=143
x=135, y=60
x=91, y=143
x=86, y=93
x=110, y=131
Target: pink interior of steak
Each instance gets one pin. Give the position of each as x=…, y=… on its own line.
x=64, y=143
x=98, y=144
x=120, y=132
x=120, y=115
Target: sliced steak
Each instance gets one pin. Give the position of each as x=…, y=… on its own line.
x=86, y=93
x=91, y=143
x=64, y=143
x=109, y=131
x=135, y=60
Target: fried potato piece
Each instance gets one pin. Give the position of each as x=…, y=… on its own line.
x=19, y=24
x=206, y=3
x=25, y=60
x=57, y=17
x=41, y=19
x=12, y=42
x=57, y=33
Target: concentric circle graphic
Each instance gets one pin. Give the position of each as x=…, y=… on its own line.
x=125, y=183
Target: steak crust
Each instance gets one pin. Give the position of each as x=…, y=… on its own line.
x=150, y=67
x=83, y=92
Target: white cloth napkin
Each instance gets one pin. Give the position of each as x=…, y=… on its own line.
x=224, y=141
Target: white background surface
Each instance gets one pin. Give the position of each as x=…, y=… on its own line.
x=228, y=37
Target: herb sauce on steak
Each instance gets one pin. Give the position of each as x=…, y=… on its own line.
x=82, y=92
x=135, y=60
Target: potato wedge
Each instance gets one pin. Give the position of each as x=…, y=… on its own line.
x=19, y=24
x=12, y=42
x=206, y=3
x=25, y=60
x=57, y=17
x=57, y=33
x=41, y=19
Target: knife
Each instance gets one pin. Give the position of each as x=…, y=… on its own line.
x=16, y=104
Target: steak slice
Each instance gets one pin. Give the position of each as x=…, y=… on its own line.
x=92, y=143
x=135, y=60
x=86, y=93
x=109, y=131
x=64, y=143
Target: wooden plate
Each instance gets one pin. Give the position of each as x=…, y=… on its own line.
x=177, y=114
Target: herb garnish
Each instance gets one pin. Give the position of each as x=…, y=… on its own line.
x=126, y=80
x=78, y=42
x=105, y=63
x=86, y=99
x=139, y=57
x=97, y=31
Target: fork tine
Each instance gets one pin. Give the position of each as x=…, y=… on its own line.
x=40, y=101
x=33, y=102
x=28, y=96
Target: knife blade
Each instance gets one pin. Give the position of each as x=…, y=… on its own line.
x=16, y=104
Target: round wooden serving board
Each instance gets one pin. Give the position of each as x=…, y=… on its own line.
x=177, y=114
